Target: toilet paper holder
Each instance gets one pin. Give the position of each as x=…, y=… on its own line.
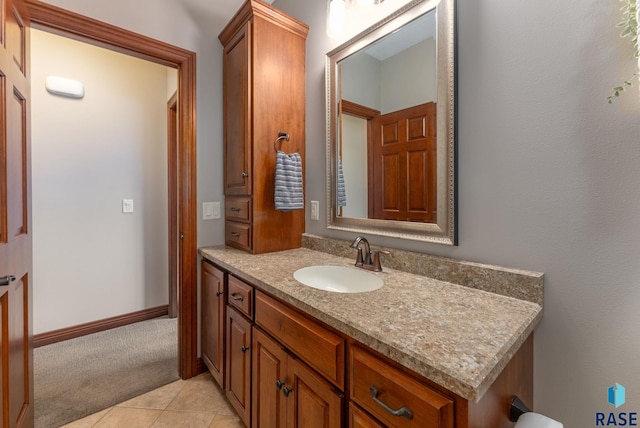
x=517, y=408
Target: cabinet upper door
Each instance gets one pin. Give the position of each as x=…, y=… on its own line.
x=237, y=133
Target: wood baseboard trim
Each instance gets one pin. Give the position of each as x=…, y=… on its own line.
x=96, y=326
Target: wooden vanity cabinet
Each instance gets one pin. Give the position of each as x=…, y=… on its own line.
x=263, y=94
x=213, y=314
x=284, y=368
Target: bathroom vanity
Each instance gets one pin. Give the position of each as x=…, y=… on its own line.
x=416, y=352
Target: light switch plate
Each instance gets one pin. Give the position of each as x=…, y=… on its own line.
x=127, y=206
x=315, y=210
x=207, y=211
x=216, y=209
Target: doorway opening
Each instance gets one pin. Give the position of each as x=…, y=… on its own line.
x=68, y=24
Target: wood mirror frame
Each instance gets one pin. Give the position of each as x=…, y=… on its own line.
x=443, y=230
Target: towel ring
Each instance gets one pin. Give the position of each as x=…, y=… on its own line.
x=281, y=136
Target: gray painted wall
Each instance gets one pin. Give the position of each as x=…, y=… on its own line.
x=548, y=171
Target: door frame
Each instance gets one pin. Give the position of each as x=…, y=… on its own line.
x=78, y=27
x=172, y=156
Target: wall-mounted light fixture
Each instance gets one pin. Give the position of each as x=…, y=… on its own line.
x=337, y=11
x=64, y=87
x=368, y=2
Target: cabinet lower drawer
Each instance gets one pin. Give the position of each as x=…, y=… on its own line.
x=393, y=397
x=238, y=208
x=238, y=235
x=320, y=348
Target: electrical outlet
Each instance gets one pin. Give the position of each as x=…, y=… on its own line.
x=315, y=210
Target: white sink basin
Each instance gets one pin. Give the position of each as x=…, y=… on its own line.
x=338, y=279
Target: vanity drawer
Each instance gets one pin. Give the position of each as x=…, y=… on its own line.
x=240, y=296
x=395, y=390
x=237, y=235
x=320, y=348
x=238, y=209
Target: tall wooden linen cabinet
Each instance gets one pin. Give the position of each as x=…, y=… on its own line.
x=264, y=94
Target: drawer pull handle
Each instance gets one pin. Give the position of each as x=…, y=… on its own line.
x=218, y=293
x=244, y=348
x=235, y=234
x=287, y=390
x=235, y=296
x=279, y=384
x=234, y=209
x=402, y=411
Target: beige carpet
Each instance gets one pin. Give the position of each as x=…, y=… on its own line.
x=81, y=376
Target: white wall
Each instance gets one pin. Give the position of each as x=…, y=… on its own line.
x=91, y=261
x=548, y=179
x=197, y=30
x=354, y=162
x=415, y=64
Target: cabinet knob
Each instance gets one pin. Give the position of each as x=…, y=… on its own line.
x=218, y=293
x=279, y=384
x=6, y=280
x=402, y=411
x=244, y=174
x=287, y=390
x=244, y=348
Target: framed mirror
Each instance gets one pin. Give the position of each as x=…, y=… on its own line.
x=391, y=145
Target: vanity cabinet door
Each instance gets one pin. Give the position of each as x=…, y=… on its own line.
x=312, y=402
x=238, y=370
x=213, y=316
x=269, y=377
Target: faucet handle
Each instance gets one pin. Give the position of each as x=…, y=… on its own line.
x=359, y=258
x=376, y=259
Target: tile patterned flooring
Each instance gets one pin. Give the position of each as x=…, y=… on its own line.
x=194, y=403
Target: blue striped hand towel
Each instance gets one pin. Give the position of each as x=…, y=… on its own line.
x=288, y=182
x=342, y=193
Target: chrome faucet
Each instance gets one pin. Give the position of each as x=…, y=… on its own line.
x=364, y=259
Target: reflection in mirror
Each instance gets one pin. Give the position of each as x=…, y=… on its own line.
x=390, y=127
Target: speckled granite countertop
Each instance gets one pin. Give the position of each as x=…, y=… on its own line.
x=458, y=337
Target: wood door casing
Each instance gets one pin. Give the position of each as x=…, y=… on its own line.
x=64, y=22
x=404, y=164
x=16, y=375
